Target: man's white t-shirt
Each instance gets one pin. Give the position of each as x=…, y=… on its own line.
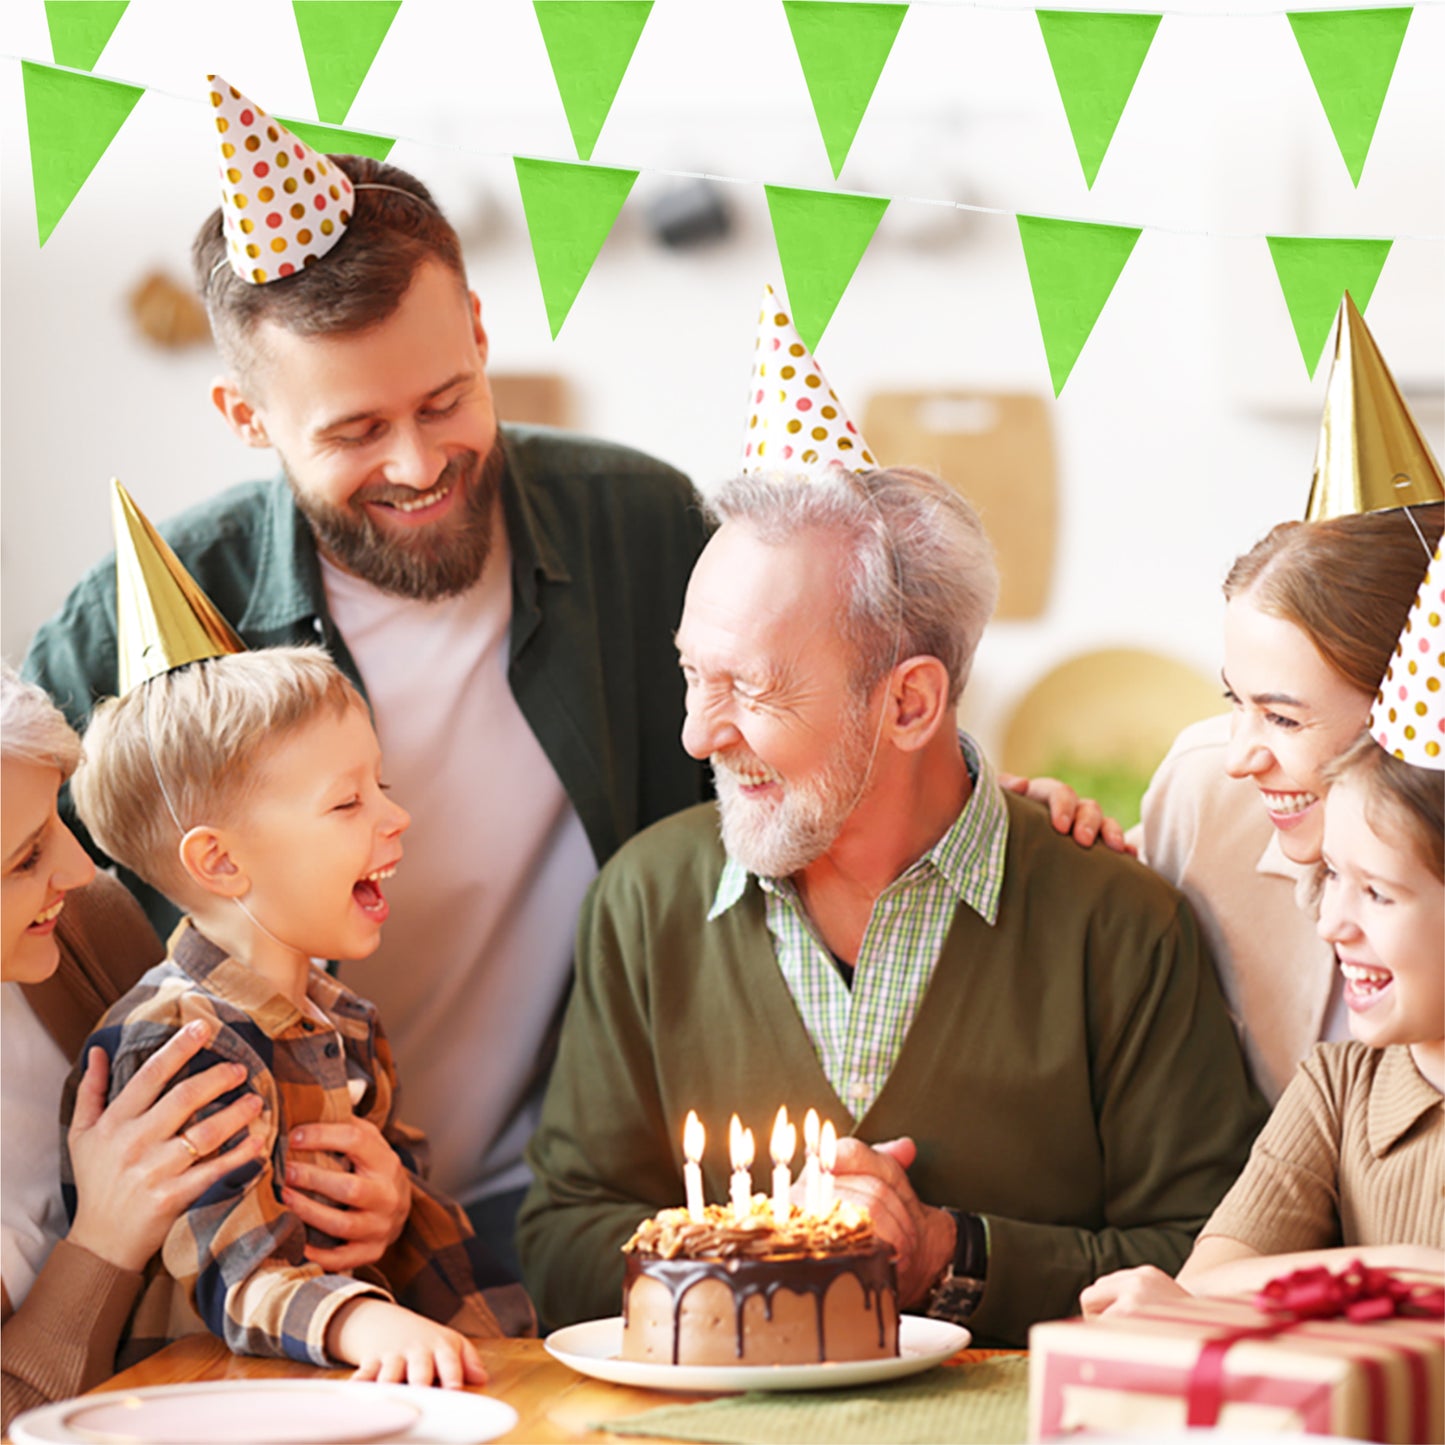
x=477, y=952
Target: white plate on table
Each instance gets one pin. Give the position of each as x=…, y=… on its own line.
x=268, y=1412
x=594, y=1348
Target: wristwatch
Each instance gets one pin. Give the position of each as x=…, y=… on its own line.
x=959, y=1288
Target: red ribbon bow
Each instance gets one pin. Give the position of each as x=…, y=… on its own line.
x=1358, y=1294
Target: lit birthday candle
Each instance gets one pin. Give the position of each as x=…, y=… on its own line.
x=694, y=1140
x=827, y=1160
x=782, y=1147
x=811, y=1178
x=740, y=1148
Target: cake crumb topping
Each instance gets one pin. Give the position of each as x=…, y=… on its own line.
x=674, y=1234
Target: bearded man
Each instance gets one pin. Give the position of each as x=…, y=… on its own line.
x=504, y=596
x=1023, y=1040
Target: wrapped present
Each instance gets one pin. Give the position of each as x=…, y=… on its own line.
x=1359, y=1354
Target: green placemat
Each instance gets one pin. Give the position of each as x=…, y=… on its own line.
x=979, y=1403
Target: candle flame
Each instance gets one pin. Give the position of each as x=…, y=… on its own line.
x=810, y=1131
x=828, y=1147
x=784, y=1142
x=694, y=1138
x=740, y=1145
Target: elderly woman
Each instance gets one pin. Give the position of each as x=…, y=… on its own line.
x=69, y=947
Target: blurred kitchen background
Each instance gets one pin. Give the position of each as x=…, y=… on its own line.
x=1186, y=430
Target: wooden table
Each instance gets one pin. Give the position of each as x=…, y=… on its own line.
x=552, y=1402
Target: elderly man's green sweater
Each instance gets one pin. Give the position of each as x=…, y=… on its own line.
x=1071, y=1075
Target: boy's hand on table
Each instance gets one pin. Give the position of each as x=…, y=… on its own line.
x=395, y=1346
x=372, y=1200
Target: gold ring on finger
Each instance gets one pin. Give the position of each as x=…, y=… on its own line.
x=186, y=1140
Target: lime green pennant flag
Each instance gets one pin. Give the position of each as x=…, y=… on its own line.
x=821, y=238
x=340, y=39
x=1073, y=266
x=72, y=119
x=590, y=44
x=1351, y=56
x=334, y=140
x=843, y=48
x=79, y=29
x=570, y=210
x=1096, y=58
x=1314, y=274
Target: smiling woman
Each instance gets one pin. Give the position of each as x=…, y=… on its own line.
x=1314, y=611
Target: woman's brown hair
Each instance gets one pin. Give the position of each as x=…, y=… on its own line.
x=1346, y=583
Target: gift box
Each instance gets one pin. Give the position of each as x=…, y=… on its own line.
x=1243, y=1364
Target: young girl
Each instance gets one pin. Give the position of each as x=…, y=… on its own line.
x=1349, y=1164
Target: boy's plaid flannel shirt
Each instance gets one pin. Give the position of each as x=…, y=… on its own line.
x=234, y=1262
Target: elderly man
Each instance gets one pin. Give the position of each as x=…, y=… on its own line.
x=1024, y=1039
x=504, y=595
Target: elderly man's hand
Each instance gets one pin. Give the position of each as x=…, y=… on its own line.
x=373, y=1200
x=924, y=1237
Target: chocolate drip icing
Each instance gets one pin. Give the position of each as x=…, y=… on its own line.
x=812, y=1274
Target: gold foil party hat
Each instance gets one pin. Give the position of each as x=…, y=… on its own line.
x=795, y=421
x=162, y=619
x=1371, y=454
x=1408, y=718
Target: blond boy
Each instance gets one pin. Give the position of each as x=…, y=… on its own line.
x=248, y=790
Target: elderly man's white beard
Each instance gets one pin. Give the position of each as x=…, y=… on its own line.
x=777, y=837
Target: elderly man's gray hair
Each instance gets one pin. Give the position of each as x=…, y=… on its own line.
x=921, y=578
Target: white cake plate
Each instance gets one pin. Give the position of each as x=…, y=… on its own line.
x=593, y=1349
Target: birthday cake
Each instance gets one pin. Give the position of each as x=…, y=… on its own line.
x=758, y=1291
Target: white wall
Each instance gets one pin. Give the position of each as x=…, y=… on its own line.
x=1185, y=431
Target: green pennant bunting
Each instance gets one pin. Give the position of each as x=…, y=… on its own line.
x=79, y=29
x=334, y=140
x=590, y=43
x=1096, y=58
x=340, y=39
x=843, y=48
x=1314, y=274
x=821, y=237
x=1351, y=56
x=1073, y=266
x=570, y=210
x=71, y=119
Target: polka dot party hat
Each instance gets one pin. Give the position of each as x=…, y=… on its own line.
x=282, y=204
x=1408, y=718
x=795, y=421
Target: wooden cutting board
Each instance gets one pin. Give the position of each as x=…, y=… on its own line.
x=997, y=449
